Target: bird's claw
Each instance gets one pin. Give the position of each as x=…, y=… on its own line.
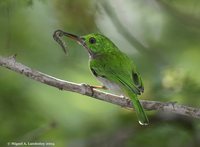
x=87, y=89
x=98, y=87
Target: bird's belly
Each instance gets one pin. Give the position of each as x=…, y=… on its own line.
x=110, y=85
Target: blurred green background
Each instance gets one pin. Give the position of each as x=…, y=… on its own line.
x=162, y=37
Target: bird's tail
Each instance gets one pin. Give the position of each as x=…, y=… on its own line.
x=141, y=115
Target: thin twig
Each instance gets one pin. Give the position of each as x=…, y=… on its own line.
x=84, y=89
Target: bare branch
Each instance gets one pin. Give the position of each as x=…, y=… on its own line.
x=84, y=89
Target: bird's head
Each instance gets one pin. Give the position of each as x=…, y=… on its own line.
x=95, y=43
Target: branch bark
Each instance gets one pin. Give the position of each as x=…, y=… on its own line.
x=84, y=89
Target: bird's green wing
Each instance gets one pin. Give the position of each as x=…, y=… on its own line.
x=137, y=81
x=118, y=68
x=130, y=84
x=112, y=66
x=129, y=90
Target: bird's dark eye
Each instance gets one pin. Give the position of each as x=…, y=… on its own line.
x=92, y=40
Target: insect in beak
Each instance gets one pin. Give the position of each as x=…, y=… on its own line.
x=59, y=33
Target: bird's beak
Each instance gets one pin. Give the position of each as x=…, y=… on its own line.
x=80, y=40
x=59, y=33
x=74, y=37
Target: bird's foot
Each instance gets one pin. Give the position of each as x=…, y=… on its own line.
x=172, y=103
x=98, y=87
x=87, y=89
x=123, y=97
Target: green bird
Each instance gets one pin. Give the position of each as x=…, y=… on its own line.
x=111, y=67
